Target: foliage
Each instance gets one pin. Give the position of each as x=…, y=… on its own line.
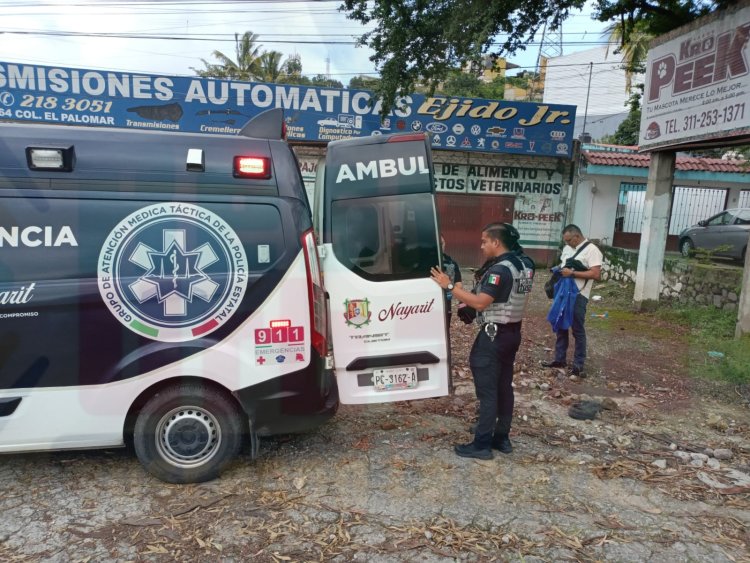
x=712, y=329
x=704, y=255
x=252, y=64
x=420, y=41
x=633, y=51
x=362, y=82
x=628, y=131
x=270, y=66
x=468, y=85
x=246, y=65
x=654, y=18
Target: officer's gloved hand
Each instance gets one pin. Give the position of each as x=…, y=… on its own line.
x=466, y=314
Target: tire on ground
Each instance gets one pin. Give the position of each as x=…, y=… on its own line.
x=188, y=433
x=686, y=247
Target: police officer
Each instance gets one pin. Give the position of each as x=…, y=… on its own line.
x=499, y=298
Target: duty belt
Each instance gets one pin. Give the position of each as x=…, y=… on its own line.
x=490, y=329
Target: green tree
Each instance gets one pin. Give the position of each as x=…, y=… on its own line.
x=325, y=82
x=459, y=83
x=293, y=66
x=634, y=48
x=270, y=66
x=246, y=65
x=362, y=82
x=421, y=41
x=627, y=132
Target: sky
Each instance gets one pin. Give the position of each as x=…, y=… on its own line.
x=170, y=36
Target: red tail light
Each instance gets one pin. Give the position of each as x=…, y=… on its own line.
x=407, y=137
x=258, y=167
x=316, y=295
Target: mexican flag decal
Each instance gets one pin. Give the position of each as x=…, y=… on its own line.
x=493, y=279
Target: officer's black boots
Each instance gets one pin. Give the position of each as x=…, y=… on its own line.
x=502, y=444
x=470, y=450
x=500, y=440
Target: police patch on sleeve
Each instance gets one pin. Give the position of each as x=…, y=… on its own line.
x=493, y=279
x=172, y=272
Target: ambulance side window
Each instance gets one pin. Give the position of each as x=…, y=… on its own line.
x=385, y=238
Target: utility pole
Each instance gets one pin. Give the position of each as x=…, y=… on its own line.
x=743, y=307
x=586, y=111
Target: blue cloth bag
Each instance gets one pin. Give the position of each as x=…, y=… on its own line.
x=560, y=314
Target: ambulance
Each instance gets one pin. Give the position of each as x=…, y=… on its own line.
x=178, y=293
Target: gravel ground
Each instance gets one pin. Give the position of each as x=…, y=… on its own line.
x=381, y=483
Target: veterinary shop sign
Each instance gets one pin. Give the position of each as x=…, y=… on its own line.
x=698, y=84
x=539, y=192
x=118, y=99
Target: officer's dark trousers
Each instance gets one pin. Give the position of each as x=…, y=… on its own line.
x=492, y=367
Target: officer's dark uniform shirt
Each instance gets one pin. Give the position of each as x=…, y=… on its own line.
x=497, y=281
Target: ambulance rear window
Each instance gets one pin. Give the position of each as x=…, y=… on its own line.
x=385, y=238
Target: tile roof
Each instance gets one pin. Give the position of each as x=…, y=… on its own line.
x=607, y=158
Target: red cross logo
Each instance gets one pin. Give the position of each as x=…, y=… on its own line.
x=261, y=360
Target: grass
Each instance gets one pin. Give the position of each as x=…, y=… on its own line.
x=712, y=330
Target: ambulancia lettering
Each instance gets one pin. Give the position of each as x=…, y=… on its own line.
x=37, y=236
x=385, y=168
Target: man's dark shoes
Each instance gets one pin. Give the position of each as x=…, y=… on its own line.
x=577, y=371
x=554, y=364
x=469, y=450
x=502, y=444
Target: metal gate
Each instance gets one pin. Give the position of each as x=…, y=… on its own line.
x=689, y=205
x=462, y=217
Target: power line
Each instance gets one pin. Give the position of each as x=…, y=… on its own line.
x=227, y=37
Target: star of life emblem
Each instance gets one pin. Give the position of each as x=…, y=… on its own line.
x=172, y=272
x=174, y=277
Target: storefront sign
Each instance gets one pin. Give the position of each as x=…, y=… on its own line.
x=538, y=210
x=697, y=84
x=178, y=103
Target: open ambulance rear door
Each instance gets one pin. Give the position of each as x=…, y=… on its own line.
x=379, y=233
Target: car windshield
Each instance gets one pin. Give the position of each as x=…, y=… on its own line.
x=743, y=217
x=721, y=219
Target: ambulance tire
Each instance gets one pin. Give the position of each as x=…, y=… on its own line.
x=188, y=433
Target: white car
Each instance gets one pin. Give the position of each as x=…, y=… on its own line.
x=331, y=122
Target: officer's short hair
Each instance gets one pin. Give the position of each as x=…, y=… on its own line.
x=504, y=232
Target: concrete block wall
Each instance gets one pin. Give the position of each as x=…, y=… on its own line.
x=688, y=282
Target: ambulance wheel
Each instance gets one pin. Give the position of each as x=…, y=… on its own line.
x=188, y=433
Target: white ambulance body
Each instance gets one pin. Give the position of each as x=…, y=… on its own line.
x=165, y=290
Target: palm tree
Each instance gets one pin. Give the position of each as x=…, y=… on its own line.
x=633, y=46
x=270, y=68
x=245, y=67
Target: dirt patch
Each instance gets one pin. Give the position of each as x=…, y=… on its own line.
x=663, y=474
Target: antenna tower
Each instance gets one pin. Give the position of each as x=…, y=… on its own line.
x=551, y=46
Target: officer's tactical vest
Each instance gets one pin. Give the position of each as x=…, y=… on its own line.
x=512, y=310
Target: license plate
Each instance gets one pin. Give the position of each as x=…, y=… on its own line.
x=394, y=378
